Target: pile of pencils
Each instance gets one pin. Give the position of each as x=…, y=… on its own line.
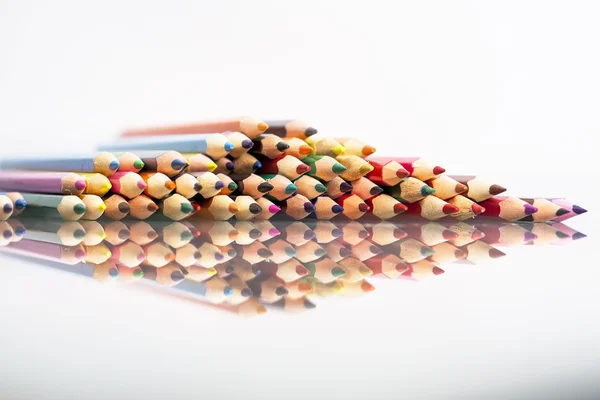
x=250, y=169
x=246, y=267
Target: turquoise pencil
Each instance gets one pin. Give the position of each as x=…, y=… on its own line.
x=213, y=145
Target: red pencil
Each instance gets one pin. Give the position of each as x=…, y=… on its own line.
x=387, y=174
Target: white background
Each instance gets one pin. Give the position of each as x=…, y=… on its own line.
x=507, y=89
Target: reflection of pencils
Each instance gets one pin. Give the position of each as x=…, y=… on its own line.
x=309, y=251
x=158, y=254
x=356, y=147
x=387, y=173
x=253, y=253
x=175, y=234
x=128, y=254
x=282, y=251
x=158, y=185
x=169, y=162
x=479, y=251
x=325, y=146
x=142, y=207
x=300, y=288
x=213, y=145
x=323, y=167
x=467, y=233
x=290, y=128
x=309, y=187
x=298, y=148
x=546, y=234
x=297, y=207
x=337, y=251
x=446, y=253
x=446, y=187
x=228, y=252
x=409, y=250
x=384, y=233
x=467, y=208
x=219, y=208
x=353, y=206
x=507, y=208
x=130, y=162
x=104, y=163
x=288, y=271
x=288, y=166
x=97, y=254
x=416, y=167
x=355, y=289
x=241, y=291
x=568, y=234
x=422, y=269
x=94, y=206
x=293, y=305
x=324, y=290
x=325, y=270
x=365, y=250
x=244, y=270
x=42, y=182
x=247, y=232
x=355, y=166
x=70, y=208
x=297, y=233
x=66, y=233
x=254, y=186
x=365, y=189
x=127, y=184
x=354, y=233
x=325, y=231
x=269, y=209
x=107, y=272
x=267, y=230
x=220, y=233
x=268, y=289
x=199, y=274
x=387, y=265
x=282, y=186
x=478, y=189
x=431, y=208
x=270, y=146
x=168, y=275
x=129, y=275
x=430, y=233
x=210, y=184
x=250, y=126
x=116, y=207
x=384, y=206
x=210, y=255
x=337, y=187
x=215, y=290
x=46, y=251
x=116, y=233
x=198, y=162
x=142, y=232
x=546, y=210
x=410, y=190
x=94, y=232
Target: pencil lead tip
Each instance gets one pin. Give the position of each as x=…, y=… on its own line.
x=219, y=185
x=449, y=209
x=399, y=208
x=578, y=235
x=79, y=209
x=290, y=189
x=363, y=207
x=302, y=168
x=579, y=210
x=477, y=234
x=365, y=168
x=366, y=286
x=345, y=187
x=310, y=131
x=461, y=188
x=138, y=164
x=178, y=164
x=338, y=150
x=402, y=173
x=141, y=185
x=477, y=209
x=338, y=168
x=447, y=234
x=262, y=126
x=368, y=150
x=496, y=190
x=256, y=166
x=114, y=165
x=309, y=208
x=529, y=237
x=437, y=271
x=247, y=144
x=495, y=253
x=273, y=209
x=254, y=233
x=375, y=190
x=265, y=187
x=186, y=208
x=319, y=187
x=562, y=211
x=337, y=272
x=529, y=209
x=282, y=146
x=228, y=146
x=211, y=166
x=80, y=184
x=336, y=209
x=438, y=170
x=254, y=208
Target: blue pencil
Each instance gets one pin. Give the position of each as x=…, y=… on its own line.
x=213, y=145
x=103, y=163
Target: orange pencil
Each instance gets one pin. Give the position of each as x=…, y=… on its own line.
x=353, y=206
x=297, y=148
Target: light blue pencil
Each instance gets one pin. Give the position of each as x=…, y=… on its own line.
x=213, y=145
x=103, y=163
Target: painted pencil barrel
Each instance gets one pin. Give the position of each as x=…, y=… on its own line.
x=69, y=207
x=103, y=163
x=42, y=182
x=18, y=202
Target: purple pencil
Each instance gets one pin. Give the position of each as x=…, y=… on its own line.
x=47, y=251
x=42, y=182
x=574, y=210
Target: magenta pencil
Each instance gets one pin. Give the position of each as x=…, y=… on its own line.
x=47, y=251
x=42, y=182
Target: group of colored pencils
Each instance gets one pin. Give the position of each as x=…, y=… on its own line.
x=250, y=169
x=245, y=267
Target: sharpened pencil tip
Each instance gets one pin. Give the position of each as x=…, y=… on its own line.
x=438, y=170
x=186, y=208
x=338, y=149
x=301, y=270
x=345, y=187
x=561, y=235
x=247, y=144
x=447, y=234
x=459, y=254
x=309, y=208
x=366, y=286
x=427, y=251
x=8, y=208
x=399, y=208
x=124, y=208
x=437, y=271
x=310, y=131
x=80, y=184
x=197, y=187
x=264, y=253
x=138, y=273
x=449, y=209
x=152, y=207
x=363, y=207
x=170, y=185
x=211, y=166
x=460, y=188
x=399, y=234
x=113, y=272
x=336, y=209
x=308, y=235
x=345, y=252
x=20, y=204
x=495, y=253
x=232, y=186
x=427, y=190
x=254, y=233
x=273, y=209
x=304, y=150
x=141, y=185
x=79, y=234
x=579, y=210
x=290, y=189
x=219, y=256
x=578, y=235
x=246, y=292
x=368, y=150
x=80, y=254
x=477, y=234
x=102, y=207
x=529, y=237
x=265, y=187
x=124, y=234
x=178, y=164
x=336, y=233
x=79, y=209
x=233, y=208
x=254, y=209
x=282, y=146
x=219, y=185
x=228, y=146
x=365, y=168
x=230, y=165
x=477, y=209
x=337, y=272
x=186, y=236
x=114, y=165
x=338, y=168
x=274, y=232
x=402, y=173
x=227, y=291
x=305, y=287
x=262, y=127
x=290, y=252
x=319, y=187
x=302, y=168
x=496, y=189
x=177, y=276
x=529, y=209
x=256, y=166
x=363, y=234
x=138, y=164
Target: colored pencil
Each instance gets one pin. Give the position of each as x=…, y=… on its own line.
x=130, y=162
x=569, y=234
x=478, y=189
x=269, y=209
x=141, y=232
x=214, y=290
x=446, y=187
x=365, y=250
x=267, y=289
x=297, y=207
x=229, y=186
x=410, y=190
x=479, y=251
x=446, y=253
x=325, y=231
x=175, y=207
x=174, y=234
x=249, y=126
x=430, y=234
x=7, y=234
x=168, y=275
x=254, y=186
x=546, y=234
x=546, y=210
x=70, y=208
x=6, y=208
x=356, y=167
x=325, y=270
x=389, y=173
x=356, y=147
x=282, y=186
x=187, y=255
x=384, y=233
x=241, y=143
x=213, y=145
x=220, y=233
x=282, y=251
x=253, y=253
x=388, y=265
x=103, y=163
x=309, y=187
x=384, y=206
x=267, y=230
x=300, y=288
x=365, y=189
x=210, y=184
x=142, y=207
x=431, y=208
x=324, y=146
x=507, y=234
x=168, y=162
x=337, y=187
x=297, y=233
x=244, y=269
x=247, y=233
x=187, y=185
x=409, y=250
x=356, y=269
x=198, y=162
x=354, y=233
x=97, y=254
x=129, y=275
x=116, y=207
x=116, y=233
x=422, y=269
x=127, y=184
x=210, y=255
x=96, y=183
x=128, y=254
x=224, y=166
x=70, y=255
x=507, y=208
x=353, y=206
x=415, y=166
x=42, y=182
x=326, y=208
x=158, y=254
x=309, y=251
x=94, y=206
x=297, y=148
x=199, y=274
x=290, y=128
x=293, y=305
x=66, y=233
x=573, y=209
x=248, y=208
x=17, y=229
x=241, y=291
x=158, y=185
x=270, y=146
x=17, y=200
x=94, y=232
x=288, y=166
x=245, y=165
x=323, y=167
x=467, y=233
x=467, y=208
x=337, y=251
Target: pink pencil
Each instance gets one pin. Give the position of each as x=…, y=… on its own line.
x=42, y=182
